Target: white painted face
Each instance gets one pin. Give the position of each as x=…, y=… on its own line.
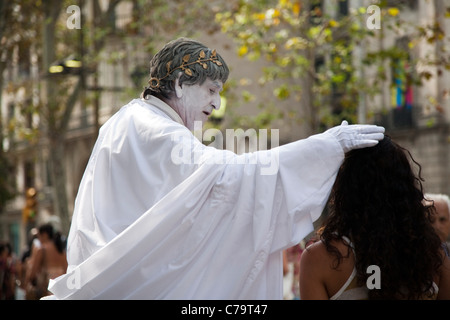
x=196, y=102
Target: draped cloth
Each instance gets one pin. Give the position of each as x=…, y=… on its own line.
x=159, y=215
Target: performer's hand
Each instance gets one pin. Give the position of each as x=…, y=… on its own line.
x=357, y=136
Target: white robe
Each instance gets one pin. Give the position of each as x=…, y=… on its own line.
x=148, y=227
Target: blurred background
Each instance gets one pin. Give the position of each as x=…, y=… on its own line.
x=299, y=66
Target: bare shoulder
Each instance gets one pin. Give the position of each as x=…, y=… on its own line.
x=318, y=249
x=315, y=256
x=318, y=268
x=314, y=247
x=313, y=270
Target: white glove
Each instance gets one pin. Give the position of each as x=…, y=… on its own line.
x=356, y=136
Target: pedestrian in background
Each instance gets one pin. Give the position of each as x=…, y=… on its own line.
x=48, y=261
x=441, y=218
x=7, y=272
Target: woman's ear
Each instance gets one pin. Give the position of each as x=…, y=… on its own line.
x=178, y=87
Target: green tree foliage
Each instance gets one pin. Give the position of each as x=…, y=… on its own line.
x=16, y=33
x=315, y=52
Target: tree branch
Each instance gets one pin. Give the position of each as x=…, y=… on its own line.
x=70, y=106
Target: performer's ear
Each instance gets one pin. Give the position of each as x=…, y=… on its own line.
x=178, y=87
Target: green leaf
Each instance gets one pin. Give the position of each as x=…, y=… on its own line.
x=282, y=92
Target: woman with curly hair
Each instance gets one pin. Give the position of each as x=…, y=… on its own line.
x=377, y=218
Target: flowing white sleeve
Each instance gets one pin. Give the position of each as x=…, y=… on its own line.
x=307, y=172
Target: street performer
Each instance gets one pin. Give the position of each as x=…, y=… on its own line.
x=212, y=226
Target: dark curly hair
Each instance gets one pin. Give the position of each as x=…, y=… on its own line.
x=53, y=235
x=377, y=201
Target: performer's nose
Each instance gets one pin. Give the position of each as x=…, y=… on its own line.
x=216, y=103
